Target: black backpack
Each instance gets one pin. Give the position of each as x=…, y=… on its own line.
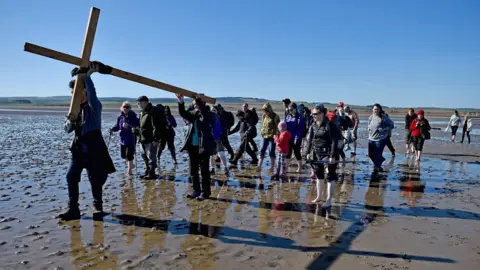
x=255, y=117
x=230, y=119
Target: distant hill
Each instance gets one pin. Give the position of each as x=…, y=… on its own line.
x=65, y=100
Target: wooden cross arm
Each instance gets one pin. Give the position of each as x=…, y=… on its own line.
x=35, y=49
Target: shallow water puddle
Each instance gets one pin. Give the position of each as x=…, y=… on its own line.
x=251, y=221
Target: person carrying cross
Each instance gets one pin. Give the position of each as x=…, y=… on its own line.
x=88, y=147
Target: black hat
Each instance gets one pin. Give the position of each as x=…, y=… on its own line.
x=142, y=98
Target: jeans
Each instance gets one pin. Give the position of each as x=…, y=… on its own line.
x=375, y=152
x=265, y=144
x=202, y=162
x=149, y=155
x=96, y=176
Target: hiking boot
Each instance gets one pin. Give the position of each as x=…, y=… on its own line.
x=254, y=162
x=193, y=195
x=70, y=214
x=203, y=196
x=97, y=209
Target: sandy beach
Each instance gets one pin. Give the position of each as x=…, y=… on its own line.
x=413, y=216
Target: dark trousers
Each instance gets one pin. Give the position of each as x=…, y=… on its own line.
x=245, y=146
x=226, y=143
x=199, y=162
x=170, y=142
x=253, y=144
x=375, y=152
x=390, y=145
x=96, y=176
x=468, y=135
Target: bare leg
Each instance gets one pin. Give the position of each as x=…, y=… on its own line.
x=330, y=190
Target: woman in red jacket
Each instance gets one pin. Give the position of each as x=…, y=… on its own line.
x=420, y=128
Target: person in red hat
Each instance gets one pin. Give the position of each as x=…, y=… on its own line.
x=420, y=128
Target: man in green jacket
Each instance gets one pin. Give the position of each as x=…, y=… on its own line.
x=151, y=131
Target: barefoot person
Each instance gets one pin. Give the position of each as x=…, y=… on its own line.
x=200, y=145
x=170, y=136
x=321, y=146
x=88, y=147
x=269, y=128
x=152, y=130
x=408, y=133
x=282, y=140
x=467, y=127
x=420, y=128
x=453, y=124
x=356, y=122
x=379, y=126
x=127, y=122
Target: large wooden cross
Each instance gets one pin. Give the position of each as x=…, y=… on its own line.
x=84, y=61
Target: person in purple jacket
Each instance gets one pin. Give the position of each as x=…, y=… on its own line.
x=295, y=124
x=127, y=121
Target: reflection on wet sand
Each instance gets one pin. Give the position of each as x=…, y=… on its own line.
x=94, y=254
x=251, y=221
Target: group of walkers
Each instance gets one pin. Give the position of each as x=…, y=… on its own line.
x=456, y=121
x=316, y=137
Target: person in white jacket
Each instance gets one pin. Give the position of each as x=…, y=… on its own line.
x=454, y=122
x=467, y=127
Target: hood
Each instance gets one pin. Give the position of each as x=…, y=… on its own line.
x=267, y=107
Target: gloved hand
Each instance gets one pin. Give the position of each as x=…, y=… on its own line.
x=135, y=131
x=331, y=161
x=380, y=129
x=309, y=157
x=69, y=126
x=125, y=125
x=94, y=66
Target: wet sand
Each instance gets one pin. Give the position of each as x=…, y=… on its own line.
x=413, y=216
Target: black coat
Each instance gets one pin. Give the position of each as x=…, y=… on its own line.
x=205, y=122
x=245, y=127
x=97, y=155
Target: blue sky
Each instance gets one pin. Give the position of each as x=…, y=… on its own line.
x=414, y=52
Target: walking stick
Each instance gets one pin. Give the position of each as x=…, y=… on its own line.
x=109, y=137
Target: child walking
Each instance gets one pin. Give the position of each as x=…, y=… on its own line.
x=283, y=145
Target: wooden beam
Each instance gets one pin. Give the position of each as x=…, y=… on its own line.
x=39, y=50
x=85, y=61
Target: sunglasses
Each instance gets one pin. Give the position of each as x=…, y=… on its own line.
x=315, y=113
x=126, y=107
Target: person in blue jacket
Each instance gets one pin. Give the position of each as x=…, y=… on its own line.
x=170, y=138
x=296, y=125
x=88, y=147
x=126, y=122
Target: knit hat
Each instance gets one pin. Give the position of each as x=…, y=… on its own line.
x=282, y=126
x=331, y=115
x=421, y=112
x=340, y=104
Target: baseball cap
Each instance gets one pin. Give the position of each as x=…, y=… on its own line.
x=142, y=98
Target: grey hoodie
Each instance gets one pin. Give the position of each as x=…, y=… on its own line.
x=379, y=128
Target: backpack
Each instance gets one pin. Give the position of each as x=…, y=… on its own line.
x=230, y=119
x=255, y=117
x=217, y=127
